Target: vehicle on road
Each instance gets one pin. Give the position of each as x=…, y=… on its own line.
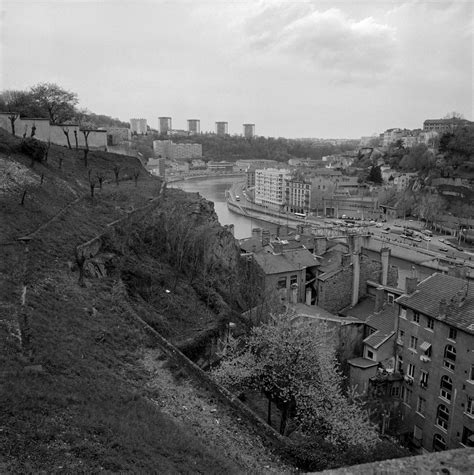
x=427, y=232
x=379, y=225
x=426, y=238
x=237, y=198
x=444, y=249
x=300, y=215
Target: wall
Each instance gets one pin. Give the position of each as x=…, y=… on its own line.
x=48, y=132
x=335, y=293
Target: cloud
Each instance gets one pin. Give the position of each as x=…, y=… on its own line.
x=329, y=42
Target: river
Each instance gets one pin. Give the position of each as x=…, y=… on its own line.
x=214, y=189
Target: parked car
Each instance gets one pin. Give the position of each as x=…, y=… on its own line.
x=444, y=249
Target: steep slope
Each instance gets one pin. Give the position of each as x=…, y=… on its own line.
x=83, y=386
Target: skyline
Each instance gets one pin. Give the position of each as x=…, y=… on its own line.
x=295, y=69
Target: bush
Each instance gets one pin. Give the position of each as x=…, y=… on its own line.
x=35, y=149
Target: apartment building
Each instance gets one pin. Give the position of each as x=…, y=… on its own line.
x=270, y=186
x=297, y=196
x=249, y=130
x=176, y=151
x=138, y=126
x=444, y=125
x=435, y=353
x=222, y=128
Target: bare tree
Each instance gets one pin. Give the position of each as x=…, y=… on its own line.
x=136, y=174
x=86, y=153
x=75, y=139
x=33, y=130
x=46, y=151
x=116, y=173
x=25, y=132
x=13, y=117
x=61, y=159
x=86, y=136
x=92, y=185
x=66, y=133
x=100, y=176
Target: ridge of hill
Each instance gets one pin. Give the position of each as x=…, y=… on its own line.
x=83, y=386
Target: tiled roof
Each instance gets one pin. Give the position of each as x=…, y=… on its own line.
x=382, y=322
x=289, y=261
x=250, y=244
x=426, y=300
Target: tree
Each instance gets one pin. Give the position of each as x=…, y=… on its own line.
x=66, y=133
x=57, y=103
x=453, y=115
x=293, y=364
x=375, y=175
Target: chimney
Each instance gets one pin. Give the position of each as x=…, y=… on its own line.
x=411, y=284
x=277, y=247
x=379, y=299
x=443, y=308
x=385, y=258
x=346, y=260
x=265, y=237
x=320, y=245
x=355, y=278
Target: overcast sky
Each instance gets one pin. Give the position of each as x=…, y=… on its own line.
x=294, y=68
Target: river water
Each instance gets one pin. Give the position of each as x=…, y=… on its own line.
x=214, y=189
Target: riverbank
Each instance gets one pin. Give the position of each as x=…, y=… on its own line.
x=174, y=179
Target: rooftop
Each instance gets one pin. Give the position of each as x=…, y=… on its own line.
x=426, y=299
x=304, y=311
x=288, y=261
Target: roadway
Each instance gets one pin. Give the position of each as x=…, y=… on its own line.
x=390, y=231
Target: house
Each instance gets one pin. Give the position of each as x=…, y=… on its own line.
x=288, y=271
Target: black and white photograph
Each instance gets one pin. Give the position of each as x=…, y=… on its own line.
x=237, y=237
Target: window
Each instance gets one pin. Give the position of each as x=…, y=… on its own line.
x=467, y=437
x=442, y=416
x=293, y=279
x=281, y=283
x=452, y=333
x=423, y=379
x=449, y=357
x=413, y=343
x=390, y=299
x=416, y=318
x=406, y=395
x=400, y=364
x=420, y=405
x=411, y=370
x=470, y=406
x=417, y=433
x=439, y=443
x=370, y=354
x=395, y=391
x=430, y=323
x=446, y=388
x=403, y=313
x=471, y=374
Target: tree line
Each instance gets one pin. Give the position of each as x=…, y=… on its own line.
x=50, y=101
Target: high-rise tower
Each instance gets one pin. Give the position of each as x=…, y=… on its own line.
x=194, y=126
x=222, y=128
x=165, y=125
x=249, y=130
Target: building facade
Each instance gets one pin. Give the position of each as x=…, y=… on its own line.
x=444, y=125
x=435, y=352
x=176, y=151
x=222, y=128
x=194, y=126
x=270, y=187
x=165, y=125
x=297, y=196
x=138, y=126
x=249, y=130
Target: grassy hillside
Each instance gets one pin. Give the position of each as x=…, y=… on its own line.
x=83, y=387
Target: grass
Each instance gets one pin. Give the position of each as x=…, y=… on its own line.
x=88, y=410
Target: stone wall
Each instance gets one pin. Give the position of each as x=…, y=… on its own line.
x=335, y=293
x=47, y=132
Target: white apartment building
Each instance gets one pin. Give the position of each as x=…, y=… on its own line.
x=139, y=126
x=270, y=185
x=176, y=151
